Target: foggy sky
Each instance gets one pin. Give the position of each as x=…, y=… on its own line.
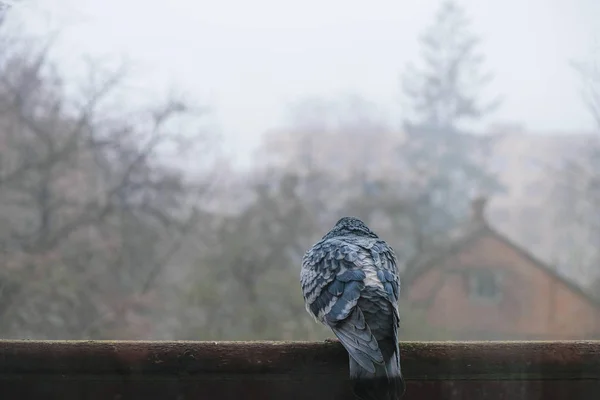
x=250, y=59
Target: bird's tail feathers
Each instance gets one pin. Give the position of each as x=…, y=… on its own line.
x=386, y=383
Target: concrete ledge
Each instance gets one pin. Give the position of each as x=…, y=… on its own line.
x=291, y=370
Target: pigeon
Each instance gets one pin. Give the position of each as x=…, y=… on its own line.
x=350, y=283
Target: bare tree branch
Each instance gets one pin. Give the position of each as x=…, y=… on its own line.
x=91, y=210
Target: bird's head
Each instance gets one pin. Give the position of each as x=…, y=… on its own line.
x=351, y=226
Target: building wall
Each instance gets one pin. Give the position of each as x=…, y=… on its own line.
x=533, y=304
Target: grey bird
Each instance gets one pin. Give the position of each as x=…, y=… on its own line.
x=350, y=283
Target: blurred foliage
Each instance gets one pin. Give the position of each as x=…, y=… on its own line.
x=443, y=93
x=577, y=183
x=247, y=284
x=103, y=236
x=89, y=208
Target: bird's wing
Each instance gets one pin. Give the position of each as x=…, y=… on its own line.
x=332, y=282
x=387, y=273
x=386, y=263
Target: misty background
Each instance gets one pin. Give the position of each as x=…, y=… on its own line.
x=164, y=165
x=250, y=61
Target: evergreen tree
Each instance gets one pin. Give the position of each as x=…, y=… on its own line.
x=443, y=95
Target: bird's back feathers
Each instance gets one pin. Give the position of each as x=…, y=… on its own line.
x=350, y=283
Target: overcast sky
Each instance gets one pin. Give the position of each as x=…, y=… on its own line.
x=250, y=59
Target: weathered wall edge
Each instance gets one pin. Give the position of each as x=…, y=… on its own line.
x=423, y=361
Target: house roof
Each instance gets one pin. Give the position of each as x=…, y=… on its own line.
x=477, y=227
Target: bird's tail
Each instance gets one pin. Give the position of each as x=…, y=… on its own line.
x=386, y=383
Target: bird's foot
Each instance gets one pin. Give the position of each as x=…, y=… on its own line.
x=331, y=340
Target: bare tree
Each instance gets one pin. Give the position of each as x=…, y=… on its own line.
x=90, y=209
x=577, y=186
x=589, y=73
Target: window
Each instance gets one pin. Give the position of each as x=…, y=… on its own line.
x=484, y=285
